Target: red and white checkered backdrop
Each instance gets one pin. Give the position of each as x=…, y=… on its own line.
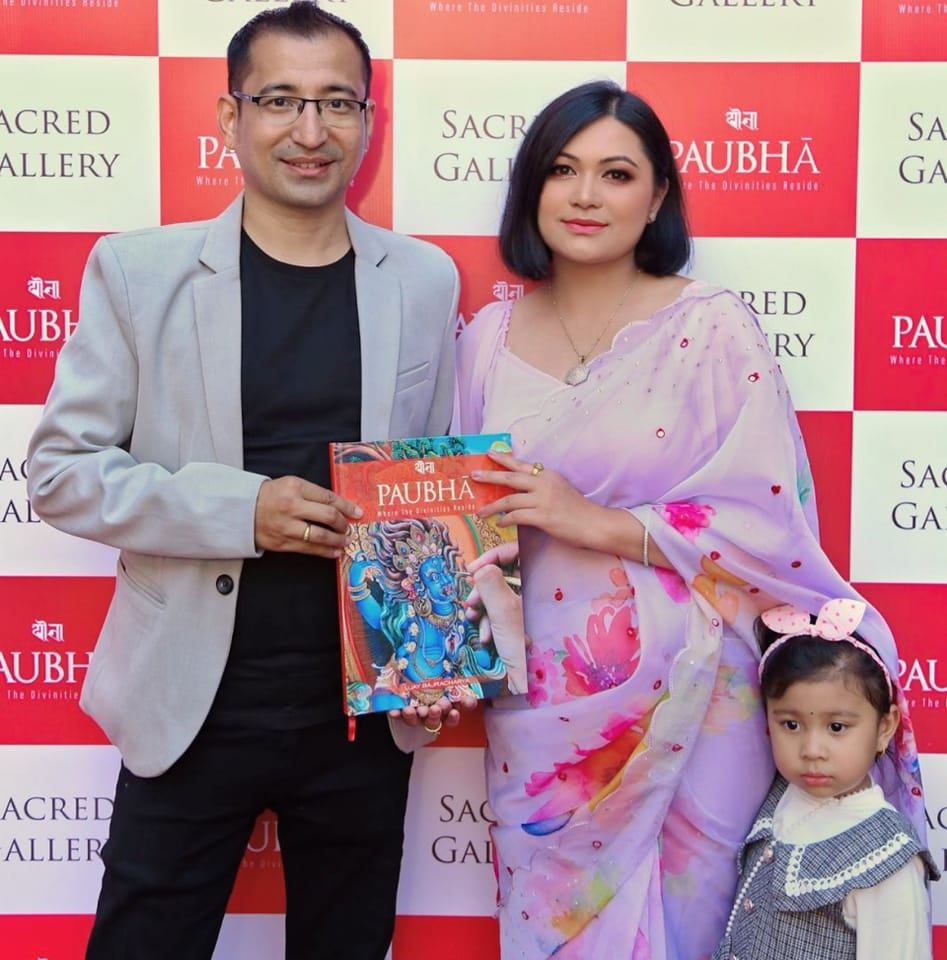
x=813, y=145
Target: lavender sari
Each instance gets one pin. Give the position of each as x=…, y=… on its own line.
x=624, y=781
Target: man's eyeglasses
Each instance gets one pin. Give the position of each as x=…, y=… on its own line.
x=281, y=110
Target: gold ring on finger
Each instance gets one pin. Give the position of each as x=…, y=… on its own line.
x=307, y=533
x=537, y=469
x=434, y=731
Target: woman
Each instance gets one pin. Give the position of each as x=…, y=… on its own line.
x=663, y=499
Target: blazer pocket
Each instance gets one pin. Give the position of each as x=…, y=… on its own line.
x=412, y=376
x=133, y=616
x=138, y=585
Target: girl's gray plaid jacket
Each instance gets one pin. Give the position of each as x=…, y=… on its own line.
x=792, y=909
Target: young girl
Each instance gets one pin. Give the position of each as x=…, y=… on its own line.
x=829, y=869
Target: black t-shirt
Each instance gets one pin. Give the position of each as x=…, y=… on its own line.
x=301, y=387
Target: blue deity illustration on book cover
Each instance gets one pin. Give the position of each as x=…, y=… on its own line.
x=410, y=595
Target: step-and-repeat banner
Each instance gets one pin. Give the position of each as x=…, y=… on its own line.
x=812, y=140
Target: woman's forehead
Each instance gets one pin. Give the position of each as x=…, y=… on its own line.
x=605, y=137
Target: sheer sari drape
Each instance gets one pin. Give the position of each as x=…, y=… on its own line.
x=625, y=781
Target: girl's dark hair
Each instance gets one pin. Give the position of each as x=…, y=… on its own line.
x=302, y=18
x=805, y=659
x=664, y=246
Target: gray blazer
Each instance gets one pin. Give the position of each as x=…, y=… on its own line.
x=140, y=446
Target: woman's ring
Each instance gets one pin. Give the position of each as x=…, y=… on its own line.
x=307, y=533
x=434, y=731
x=537, y=469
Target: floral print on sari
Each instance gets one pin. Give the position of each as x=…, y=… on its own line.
x=606, y=657
x=688, y=519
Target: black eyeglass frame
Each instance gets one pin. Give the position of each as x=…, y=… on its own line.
x=300, y=101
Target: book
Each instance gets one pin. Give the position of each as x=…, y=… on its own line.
x=407, y=638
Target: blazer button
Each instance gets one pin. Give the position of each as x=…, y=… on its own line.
x=225, y=584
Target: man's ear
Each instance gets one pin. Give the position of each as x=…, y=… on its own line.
x=228, y=112
x=369, y=122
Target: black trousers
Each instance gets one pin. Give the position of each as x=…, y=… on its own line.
x=176, y=842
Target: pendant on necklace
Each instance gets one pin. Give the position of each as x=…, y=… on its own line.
x=577, y=374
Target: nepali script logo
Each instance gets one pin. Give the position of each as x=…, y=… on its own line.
x=43, y=289
x=503, y=290
x=44, y=632
x=33, y=324
x=742, y=119
x=46, y=667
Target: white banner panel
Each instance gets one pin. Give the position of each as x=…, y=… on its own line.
x=448, y=855
x=54, y=820
x=902, y=150
x=78, y=143
x=28, y=546
x=203, y=28
x=934, y=772
x=459, y=125
x=251, y=936
x=803, y=292
x=748, y=30
x=899, y=497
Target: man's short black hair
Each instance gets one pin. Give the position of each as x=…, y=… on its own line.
x=664, y=247
x=302, y=18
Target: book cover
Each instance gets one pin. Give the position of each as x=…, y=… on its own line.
x=407, y=638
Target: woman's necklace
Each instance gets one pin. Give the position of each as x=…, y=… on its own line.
x=579, y=373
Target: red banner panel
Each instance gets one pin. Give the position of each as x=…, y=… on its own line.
x=39, y=308
x=470, y=938
x=828, y=437
x=79, y=27
x=900, y=330
x=764, y=149
x=915, y=614
x=483, y=275
x=487, y=30
x=199, y=175
x=468, y=733
x=44, y=937
x=371, y=192
x=904, y=30
x=259, y=887
x=48, y=631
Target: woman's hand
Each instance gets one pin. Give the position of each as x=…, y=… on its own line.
x=503, y=555
x=544, y=499
x=442, y=713
x=498, y=612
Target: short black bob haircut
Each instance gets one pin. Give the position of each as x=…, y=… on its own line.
x=664, y=247
x=805, y=659
x=302, y=18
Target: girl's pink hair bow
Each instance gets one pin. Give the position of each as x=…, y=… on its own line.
x=837, y=620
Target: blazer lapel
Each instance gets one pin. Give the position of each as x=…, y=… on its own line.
x=379, y=321
x=218, y=319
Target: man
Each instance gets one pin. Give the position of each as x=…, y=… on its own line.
x=188, y=426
